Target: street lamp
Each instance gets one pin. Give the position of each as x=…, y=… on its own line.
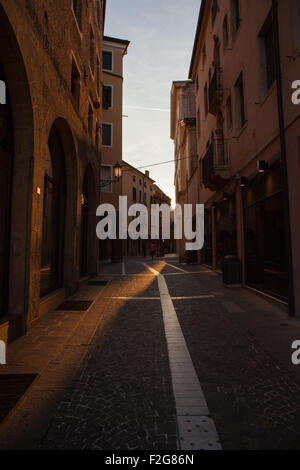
x=117, y=175
x=117, y=171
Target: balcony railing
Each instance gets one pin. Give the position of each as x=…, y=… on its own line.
x=216, y=90
x=216, y=165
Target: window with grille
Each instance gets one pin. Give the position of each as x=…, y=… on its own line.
x=106, y=177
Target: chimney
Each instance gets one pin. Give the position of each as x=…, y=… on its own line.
x=147, y=173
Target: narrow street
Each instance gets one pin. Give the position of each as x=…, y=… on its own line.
x=126, y=374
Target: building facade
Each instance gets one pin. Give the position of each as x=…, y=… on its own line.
x=114, y=51
x=244, y=55
x=49, y=152
x=183, y=133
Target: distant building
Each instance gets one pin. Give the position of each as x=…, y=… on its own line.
x=114, y=51
x=140, y=188
x=51, y=66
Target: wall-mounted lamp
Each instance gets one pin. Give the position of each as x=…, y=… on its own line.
x=262, y=166
x=117, y=171
x=244, y=182
x=226, y=196
x=214, y=205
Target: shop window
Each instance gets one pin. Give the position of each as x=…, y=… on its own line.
x=53, y=216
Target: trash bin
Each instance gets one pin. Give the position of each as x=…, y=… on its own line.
x=232, y=271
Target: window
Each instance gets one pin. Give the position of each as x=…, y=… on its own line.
x=97, y=136
x=98, y=12
x=205, y=100
x=107, y=96
x=267, y=42
x=140, y=181
x=134, y=194
x=203, y=55
x=140, y=196
x=133, y=178
x=214, y=10
x=75, y=84
x=92, y=51
x=145, y=198
x=240, y=101
x=107, y=135
x=106, y=177
x=198, y=122
x=296, y=23
x=225, y=33
x=98, y=76
x=77, y=8
x=235, y=16
x=90, y=120
x=229, y=113
x=107, y=60
x=197, y=83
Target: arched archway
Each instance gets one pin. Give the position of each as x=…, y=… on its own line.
x=88, y=257
x=59, y=223
x=16, y=161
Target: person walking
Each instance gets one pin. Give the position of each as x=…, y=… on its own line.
x=152, y=249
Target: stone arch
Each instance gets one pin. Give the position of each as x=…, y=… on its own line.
x=61, y=139
x=19, y=190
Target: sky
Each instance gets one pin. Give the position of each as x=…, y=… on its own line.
x=161, y=35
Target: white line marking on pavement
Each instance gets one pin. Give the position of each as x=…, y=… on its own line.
x=123, y=268
x=175, y=267
x=196, y=430
x=194, y=297
x=136, y=298
x=187, y=272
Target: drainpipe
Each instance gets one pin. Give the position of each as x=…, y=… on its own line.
x=283, y=157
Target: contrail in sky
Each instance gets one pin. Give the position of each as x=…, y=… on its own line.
x=144, y=108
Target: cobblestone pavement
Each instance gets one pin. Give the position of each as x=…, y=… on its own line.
x=104, y=376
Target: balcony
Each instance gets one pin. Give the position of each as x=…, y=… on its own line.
x=216, y=90
x=216, y=165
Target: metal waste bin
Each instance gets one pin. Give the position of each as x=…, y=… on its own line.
x=232, y=271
